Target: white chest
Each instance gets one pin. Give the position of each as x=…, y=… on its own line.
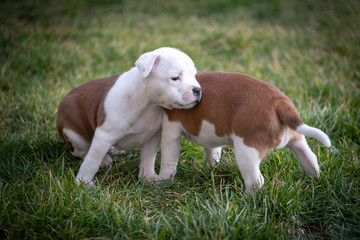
x=142, y=129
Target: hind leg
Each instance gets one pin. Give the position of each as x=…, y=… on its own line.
x=305, y=156
x=106, y=162
x=248, y=161
x=213, y=155
x=80, y=147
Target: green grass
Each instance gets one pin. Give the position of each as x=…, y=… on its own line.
x=308, y=49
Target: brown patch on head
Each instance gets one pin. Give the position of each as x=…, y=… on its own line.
x=239, y=104
x=82, y=109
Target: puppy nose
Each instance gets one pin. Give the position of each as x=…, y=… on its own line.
x=196, y=91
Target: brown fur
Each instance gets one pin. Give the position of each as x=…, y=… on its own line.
x=242, y=105
x=82, y=109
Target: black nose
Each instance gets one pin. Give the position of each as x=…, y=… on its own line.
x=196, y=91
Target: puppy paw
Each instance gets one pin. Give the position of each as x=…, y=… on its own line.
x=106, y=162
x=152, y=178
x=88, y=183
x=114, y=151
x=167, y=175
x=255, y=186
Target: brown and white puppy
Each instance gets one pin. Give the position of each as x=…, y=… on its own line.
x=247, y=113
x=109, y=115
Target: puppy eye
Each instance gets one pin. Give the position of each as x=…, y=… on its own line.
x=175, y=78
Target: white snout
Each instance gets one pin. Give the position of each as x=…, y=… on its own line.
x=192, y=96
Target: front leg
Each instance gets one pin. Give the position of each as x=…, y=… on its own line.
x=213, y=155
x=148, y=156
x=170, y=148
x=248, y=161
x=100, y=145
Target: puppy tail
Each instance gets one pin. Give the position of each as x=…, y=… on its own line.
x=315, y=133
x=291, y=118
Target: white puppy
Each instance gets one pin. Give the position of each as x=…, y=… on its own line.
x=109, y=115
x=246, y=113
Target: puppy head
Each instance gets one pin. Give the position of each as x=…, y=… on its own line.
x=170, y=78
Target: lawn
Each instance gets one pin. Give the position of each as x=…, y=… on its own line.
x=308, y=49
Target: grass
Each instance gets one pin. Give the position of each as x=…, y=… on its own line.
x=308, y=49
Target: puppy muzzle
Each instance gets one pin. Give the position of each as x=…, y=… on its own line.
x=197, y=93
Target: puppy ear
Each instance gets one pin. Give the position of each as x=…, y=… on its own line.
x=147, y=63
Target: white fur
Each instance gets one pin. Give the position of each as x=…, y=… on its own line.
x=80, y=145
x=213, y=154
x=207, y=136
x=210, y=141
x=133, y=110
x=248, y=161
x=170, y=148
x=305, y=156
x=284, y=138
x=315, y=133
